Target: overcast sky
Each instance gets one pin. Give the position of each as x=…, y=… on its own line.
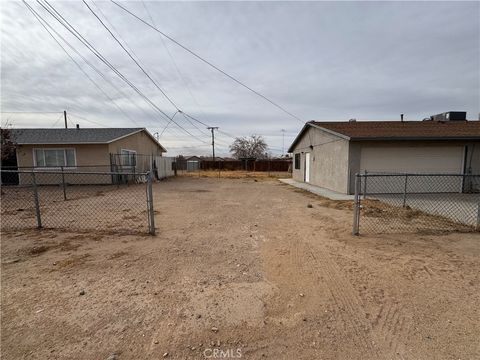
x=319, y=60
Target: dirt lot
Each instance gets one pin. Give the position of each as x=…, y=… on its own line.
x=245, y=267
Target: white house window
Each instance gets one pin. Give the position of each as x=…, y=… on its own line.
x=129, y=157
x=55, y=157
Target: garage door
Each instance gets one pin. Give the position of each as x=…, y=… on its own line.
x=414, y=160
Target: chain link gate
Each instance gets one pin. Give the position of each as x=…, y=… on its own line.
x=79, y=200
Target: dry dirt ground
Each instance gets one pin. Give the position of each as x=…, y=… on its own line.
x=240, y=268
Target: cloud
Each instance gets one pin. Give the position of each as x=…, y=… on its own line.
x=320, y=60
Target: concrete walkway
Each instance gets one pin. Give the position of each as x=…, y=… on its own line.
x=329, y=194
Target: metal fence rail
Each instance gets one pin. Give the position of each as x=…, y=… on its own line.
x=78, y=200
x=392, y=203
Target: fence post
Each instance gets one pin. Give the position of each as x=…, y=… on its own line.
x=365, y=185
x=63, y=184
x=405, y=191
x=37, y=202
x=151, y=215
x=478, y=217
x=356, y=210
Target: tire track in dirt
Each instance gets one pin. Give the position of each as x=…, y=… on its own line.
x=390, y=326
x=345, y=298
x=387, y=329
x=301, y=258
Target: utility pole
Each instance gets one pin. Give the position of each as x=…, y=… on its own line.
x=65, y=118
x=283, y=142
x=212, y=129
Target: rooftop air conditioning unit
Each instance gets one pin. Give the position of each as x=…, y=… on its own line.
x=450, y=116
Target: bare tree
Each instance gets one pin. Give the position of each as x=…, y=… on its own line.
x=254, y=146
x=7, y=143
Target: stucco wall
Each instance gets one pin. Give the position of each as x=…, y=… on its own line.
x=88, y=157
x=140, y=142
x=328, y=160
x=143, y=145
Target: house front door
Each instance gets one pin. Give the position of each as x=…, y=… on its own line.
x=307, y=167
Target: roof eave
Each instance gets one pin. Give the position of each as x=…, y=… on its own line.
x=413, y=138
x=154, y=140
x=64, y=143
x=310, y=124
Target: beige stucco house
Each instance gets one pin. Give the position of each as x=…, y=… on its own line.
x=329, y=154
x=86, y=149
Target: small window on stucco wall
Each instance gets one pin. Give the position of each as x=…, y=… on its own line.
x=297, y=161
x=54, y=157
x=129, y=157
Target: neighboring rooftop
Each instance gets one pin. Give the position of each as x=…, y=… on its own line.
x=72, y=136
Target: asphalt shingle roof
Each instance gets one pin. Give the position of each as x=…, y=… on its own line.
x=70, y=136
x=405, y=129
x=397, y=130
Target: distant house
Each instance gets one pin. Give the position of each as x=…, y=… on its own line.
x=90, y=149
x=193, y=163
x=209, y=158
x=328, y=154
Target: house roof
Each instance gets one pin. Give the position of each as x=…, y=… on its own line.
x=74, y=136
x=397, y=130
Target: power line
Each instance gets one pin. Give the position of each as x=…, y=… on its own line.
x=181, y=77
x=31, y=112
x=139, y=65
x=131, y=57
x=92, y=49
x=137, y=61
x=85, y=119
x=55, y=123
x=209, y=63
x=93, y=67
x=39, y=19
x=57, y=16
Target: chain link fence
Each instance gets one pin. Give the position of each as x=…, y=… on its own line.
x=77, y=200
x=393, y=203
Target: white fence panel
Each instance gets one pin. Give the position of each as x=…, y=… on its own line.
x=164, y=166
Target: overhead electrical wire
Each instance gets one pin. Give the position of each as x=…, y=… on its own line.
x=65, y=23
x=180, y=75
x=56, y=122
x=209, y=63
x=93, y=67
x=30, y=112
x=39, y=19
x=92, y=49
x=85, y=119
x=137, y=61
x=131, y=56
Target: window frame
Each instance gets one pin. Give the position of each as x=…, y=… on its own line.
x=35, y=165
x=297, y=164
x=134, y=152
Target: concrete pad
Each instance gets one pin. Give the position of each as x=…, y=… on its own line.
x=329, y=194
